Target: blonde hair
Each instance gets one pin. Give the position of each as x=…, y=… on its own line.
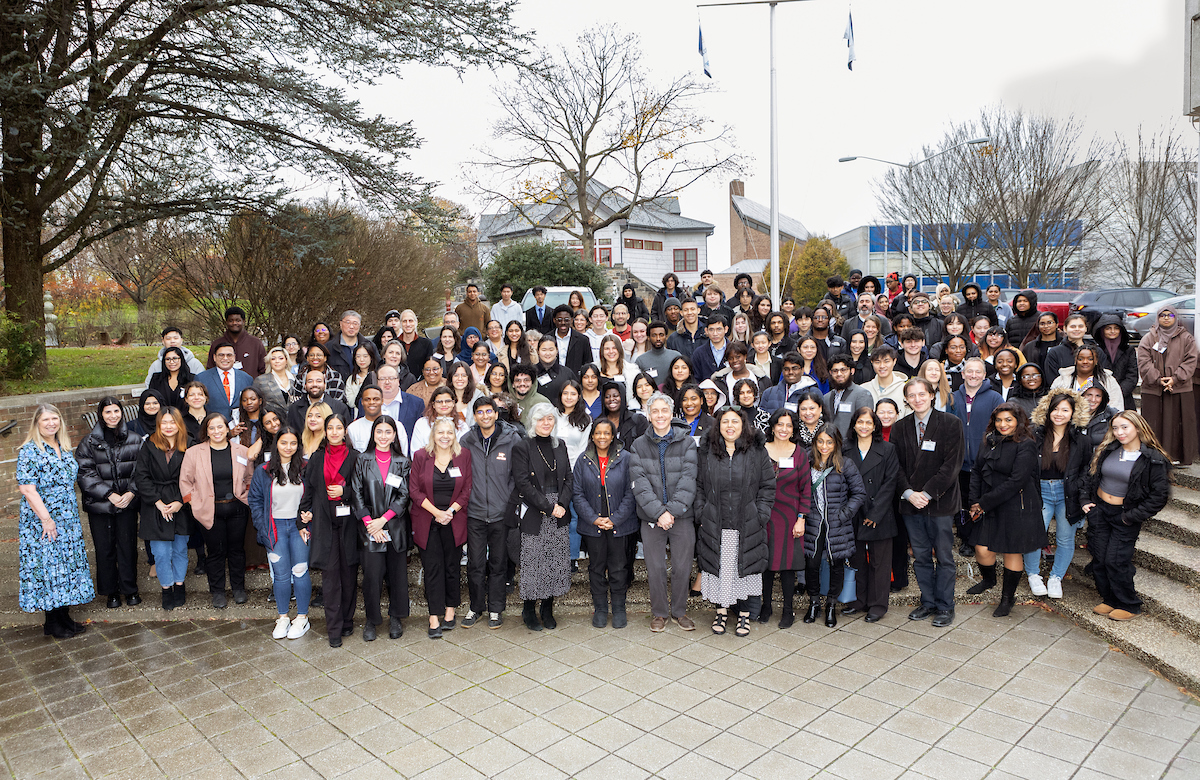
x=439, y=423
x=1145, y=436
x=942, y=388
x=309, y=440
x=62, y=438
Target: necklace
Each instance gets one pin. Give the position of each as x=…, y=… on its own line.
x=552, y=466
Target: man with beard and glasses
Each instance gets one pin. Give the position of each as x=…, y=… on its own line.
x=844, y=397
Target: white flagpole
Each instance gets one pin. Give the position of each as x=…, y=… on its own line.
x=775, y=304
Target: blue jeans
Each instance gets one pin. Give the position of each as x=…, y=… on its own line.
x=289, y=565
x=932, y=540
x=170, y=560
x=1054, y=507
x=576, y=539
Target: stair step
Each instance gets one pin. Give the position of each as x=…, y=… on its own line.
x=1177, y=523
x=1187, y=477
x=1169, y=558
x=1168, y=600
x=1186, y=498
x=1149, y=638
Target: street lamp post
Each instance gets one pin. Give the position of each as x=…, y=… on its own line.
x=909, y=167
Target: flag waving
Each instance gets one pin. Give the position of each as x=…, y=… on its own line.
x=703, y=52
x=848, y=35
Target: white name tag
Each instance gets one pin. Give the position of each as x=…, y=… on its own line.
x=790, y=407
x=238, y=365
x=619, y=378
x=652, y=372
x=393, y=480
x=697, y=440
x=343, y=511
x=267, y=458
x=844, y=409
x=928, y=446
x=544, y=379
x=1130, y=456
x=242, y=461
x=1160, y=348
x=454, y=472
x=787, y=463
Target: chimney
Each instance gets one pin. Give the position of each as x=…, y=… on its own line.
x=737, y=187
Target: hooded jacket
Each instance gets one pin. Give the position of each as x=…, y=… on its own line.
x=1097, y=425
x=980, y=306
x=586, y=489
x=1080, y=456
x=492, y=482
x=1063, y=356
x=637, y=307
x=674, y=491
x=106, y=468
x=738, y=488
x=1124, y=367
x=1019, y=325
x=975, y=421
x=1066, y=378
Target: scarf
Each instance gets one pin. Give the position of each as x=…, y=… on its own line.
x=1163, y=335
x=149, y=422
x=1111, y=346
x=335, y=456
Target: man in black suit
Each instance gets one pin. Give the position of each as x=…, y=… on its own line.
x=539, y=317
x=929, y=446
x=314, y=393
x=574, y=349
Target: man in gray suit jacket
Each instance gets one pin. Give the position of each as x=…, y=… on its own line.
x=844, y=397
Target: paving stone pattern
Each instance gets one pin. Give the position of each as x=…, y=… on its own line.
x=1031, y=696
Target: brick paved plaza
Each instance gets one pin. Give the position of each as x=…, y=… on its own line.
x=1027, y=697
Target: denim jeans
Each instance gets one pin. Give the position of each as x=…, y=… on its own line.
x=289, y=566
x=170, y=560
x=576, y=539
x=1054, y=507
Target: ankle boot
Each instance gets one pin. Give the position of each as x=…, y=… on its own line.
x=168, y=598
x=548, y=614
x=1008, y=592
x=529, y=615
x=71, y=625
x=831, y=612
x=180, y=591
x=619, y=618
x=54, y=625
x=988, y=573
x=814, y=609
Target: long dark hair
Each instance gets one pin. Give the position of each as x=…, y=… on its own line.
x=748, y=438
x=1023, y=431
x=295, y=468
x=1058, y=458
x=185, y=374
x=818, y=361
x=669, y=386
x=387, y=420
x=835, y=458
x=579, y=417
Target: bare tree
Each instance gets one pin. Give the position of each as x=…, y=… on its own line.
x=940, y=198
x=1040, y=192
x=139, y=261
x=588, y=113
x=1182, y=218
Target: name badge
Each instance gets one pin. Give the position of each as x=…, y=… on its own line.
x=1160, y=348
x=343, y=511
x=928, y=446
x=652, y=372
x=619, y=378
x=454, y=472
x=969, y=406
x=545, y=379
x=237, y=364
x=267, y=458
x=697, y=440
x=791, y=407
x=1130, y=456
x=844, y=409
x=500, y=456
x=787, y=463
x=242, y=461
x=393, y=480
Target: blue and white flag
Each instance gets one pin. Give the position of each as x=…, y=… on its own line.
x=704, y=52
x=849, y=36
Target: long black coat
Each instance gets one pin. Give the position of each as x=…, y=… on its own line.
x=534, y=479
x=936, y=471
x=741, y=488
x=880, y=474
x=104, y=469
x=844, y=498
x=157, y=478
x=371, y=496
x=324, y=511
x=1005, y=484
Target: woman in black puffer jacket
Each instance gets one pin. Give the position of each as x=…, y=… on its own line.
x=107, y=458
x=735, y=489
x=838, y=494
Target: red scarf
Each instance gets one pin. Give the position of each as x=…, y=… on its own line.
x=335, y=456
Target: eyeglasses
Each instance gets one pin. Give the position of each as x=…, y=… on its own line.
x=1166, y=314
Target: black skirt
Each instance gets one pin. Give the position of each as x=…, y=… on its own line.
x=1007, y=534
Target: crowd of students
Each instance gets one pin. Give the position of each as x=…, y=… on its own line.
x=757, y=444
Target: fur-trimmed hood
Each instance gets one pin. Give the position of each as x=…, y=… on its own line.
x=1081, y=417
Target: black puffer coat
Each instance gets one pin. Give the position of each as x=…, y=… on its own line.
x=1124, y=368
x=1149, y=484
x=737, y=490
x=1019, y=325
x=845, y=495
x=105, y=469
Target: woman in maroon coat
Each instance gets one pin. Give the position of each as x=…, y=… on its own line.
x=785, y=530
x=440, y=485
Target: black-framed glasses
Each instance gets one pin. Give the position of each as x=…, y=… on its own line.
x=1167, y=314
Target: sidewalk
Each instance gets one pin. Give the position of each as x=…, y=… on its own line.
x=1030, y=696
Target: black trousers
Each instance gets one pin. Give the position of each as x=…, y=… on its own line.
x=608, y=569
x=1111, y=544
x=812, y=570
x=900, y=556
x=487, y=564
x=787, y=581
x=115, y=539
x=225, y=542
x=339, y=584
x=375, y=566
x=872, y=562
x=441, y=561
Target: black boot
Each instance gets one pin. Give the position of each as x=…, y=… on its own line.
x=168, y=598
x=548, y=614
x=1008, y=592
x=788, y=616
x=814, y=609
x=619, y=618
x=71, y=625
x=529, y=615
x=831, y=612
x=180, y=591
x=988, y=573
x=53, y=626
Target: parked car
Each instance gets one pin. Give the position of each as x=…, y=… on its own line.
x=556, y=296
x=1139, y=321
x=1057, y=301
x=1119, y=301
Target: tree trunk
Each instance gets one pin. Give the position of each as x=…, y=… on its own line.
x=23, y=295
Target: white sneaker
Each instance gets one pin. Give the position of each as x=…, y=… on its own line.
x=1054, y=587
x=281, y=627
x=1036, y=585
x=299, y=628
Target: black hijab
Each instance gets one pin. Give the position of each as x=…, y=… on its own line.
x=147, y=422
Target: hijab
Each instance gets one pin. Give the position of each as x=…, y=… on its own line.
x=464, y=354
x=1163, y=335
x=147, y=421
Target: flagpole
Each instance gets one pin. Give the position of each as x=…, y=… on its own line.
x=775, y=304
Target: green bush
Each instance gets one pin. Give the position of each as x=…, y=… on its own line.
x=18, y=346
x=527, y=263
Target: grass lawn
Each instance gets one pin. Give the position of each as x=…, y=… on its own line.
x=73, y=367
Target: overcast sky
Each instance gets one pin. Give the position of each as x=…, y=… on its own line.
x=922, y=65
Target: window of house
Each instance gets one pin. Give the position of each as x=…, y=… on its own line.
x=604, y=256
x=657, y=247
x=633, y=243
x=686, y=259
x=604, y=241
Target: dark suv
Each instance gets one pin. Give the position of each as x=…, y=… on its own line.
x=1116, y=301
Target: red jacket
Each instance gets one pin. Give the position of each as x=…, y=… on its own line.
x=420, y=487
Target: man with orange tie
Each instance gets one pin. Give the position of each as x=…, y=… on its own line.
x=224, y=382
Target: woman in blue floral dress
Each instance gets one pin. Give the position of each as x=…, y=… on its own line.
x=54, y=568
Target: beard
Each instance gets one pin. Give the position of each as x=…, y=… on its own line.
x=836, y=385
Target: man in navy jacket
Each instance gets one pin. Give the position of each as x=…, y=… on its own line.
x=710, y=356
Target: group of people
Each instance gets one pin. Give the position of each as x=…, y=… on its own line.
x=809, y=441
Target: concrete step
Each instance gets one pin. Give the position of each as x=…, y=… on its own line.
x=1168, y=600
x=1177, y=522
x=1169, y=558
x=1188, y=477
